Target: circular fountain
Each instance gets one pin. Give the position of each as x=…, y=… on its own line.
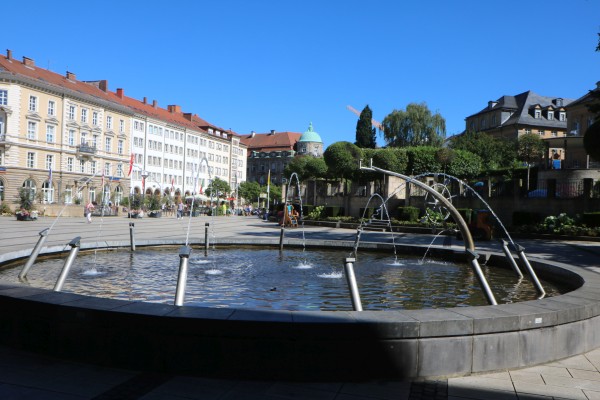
x=299, y=344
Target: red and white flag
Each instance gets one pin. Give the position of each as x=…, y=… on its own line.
x=130, y=164
x=172, y=185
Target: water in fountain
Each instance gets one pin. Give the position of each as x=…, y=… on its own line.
x=289, y=199
x=384, y=219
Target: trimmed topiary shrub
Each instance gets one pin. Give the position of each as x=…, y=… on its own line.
x=408, y=213
x=590, y=219
x=526, y=218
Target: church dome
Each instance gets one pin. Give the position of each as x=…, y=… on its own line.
x=310, y=136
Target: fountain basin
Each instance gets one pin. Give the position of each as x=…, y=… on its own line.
x=307, y=345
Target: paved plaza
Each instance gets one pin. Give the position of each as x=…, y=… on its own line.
x=24, y=375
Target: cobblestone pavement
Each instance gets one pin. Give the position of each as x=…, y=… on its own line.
x=24, y=375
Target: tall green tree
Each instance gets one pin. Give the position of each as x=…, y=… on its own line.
x=342, y=159
x=416, y=126
x=530, y=150
x=366, y=135
x=591, y=140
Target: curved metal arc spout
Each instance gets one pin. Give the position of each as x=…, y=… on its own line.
x=462, y=225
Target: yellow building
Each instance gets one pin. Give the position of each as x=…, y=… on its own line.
x=64, y=141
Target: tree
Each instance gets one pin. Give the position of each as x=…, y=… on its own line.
x=366, y=135
x=218, y=188
x=494, y=153
x=342, y=159
x=249, y=190
x=416, y=126
x=530, y=149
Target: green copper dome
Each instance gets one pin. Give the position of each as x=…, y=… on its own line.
x=310, y=136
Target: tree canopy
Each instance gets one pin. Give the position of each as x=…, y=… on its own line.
x=366, y=135
x=307, y=167
x=494, y=153
x=249, y=190
x=342, y=159
x=218, y=188
x=591, y=140
x=416, y=126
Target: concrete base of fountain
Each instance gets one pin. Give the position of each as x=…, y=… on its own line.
x=311, y=345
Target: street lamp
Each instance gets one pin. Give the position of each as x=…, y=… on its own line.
x=145, y=174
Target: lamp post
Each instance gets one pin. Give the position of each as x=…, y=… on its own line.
x=145, y=174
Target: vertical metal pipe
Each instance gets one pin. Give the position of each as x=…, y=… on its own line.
x=351, y=279
x=481, y=278
x=538, y=286
x=36, y=251
x=68, y=264
x=184, y=255
x=206, y=242
x=281, y=235
x=510, y=258
x=132, y=236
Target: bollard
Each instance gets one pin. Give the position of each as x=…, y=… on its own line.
x=538, y=286
x=509, y=256
x=281, y=235
x=68, y=264
x=481, y=278
x=132, y=236
x=351, y=279
x=36, y=251
x=184, y=255
x=206, y=238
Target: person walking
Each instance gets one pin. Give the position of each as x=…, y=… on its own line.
x=180, y=210
x=88, y=211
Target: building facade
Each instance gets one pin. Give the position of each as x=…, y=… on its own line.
x=68, y=141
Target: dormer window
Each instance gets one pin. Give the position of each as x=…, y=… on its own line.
x=562, y=116
x=537, y=114
x=550, y=115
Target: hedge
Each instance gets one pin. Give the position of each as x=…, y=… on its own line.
x=408, y=213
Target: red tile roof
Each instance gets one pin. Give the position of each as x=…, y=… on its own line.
x=271, y=141
x=173, y=114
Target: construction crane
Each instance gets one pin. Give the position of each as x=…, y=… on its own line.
x=376, y=124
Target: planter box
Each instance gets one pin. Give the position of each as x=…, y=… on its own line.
x=155, y=214
x=25, y=217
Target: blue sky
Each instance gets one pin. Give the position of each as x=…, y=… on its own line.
x=262, y=65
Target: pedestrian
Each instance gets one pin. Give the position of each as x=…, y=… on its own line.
x=88, y=211
x=180, y=210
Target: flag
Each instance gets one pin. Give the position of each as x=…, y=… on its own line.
x=143, y=184
x=50, y=176
x=172, y=185
x=269, y=181
x=130, y=164
x=201, y=184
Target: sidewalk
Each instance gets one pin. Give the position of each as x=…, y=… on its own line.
x=27, y=376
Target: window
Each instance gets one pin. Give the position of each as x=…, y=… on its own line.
x=71, y=137
x=120, y=147
x=48, y=192
x=49, y=162
x=51, y=107
x=95, y=141
x=71, y=113
x=3, y=97
x=93, y=167
x=121, y=126
x=29, y=186
x=107, y=169
x=537, y=114
x=30, y=160
x=541, y=132
x=81, y=165
x=562, y=116
x=527, y=131
x=50, y=133
x=108, y=122
x=95, y=118
x=31, y=130
x=83, y=138
x=32, y=103
x=554, y=133
x=70, y=164
x=120, y=170
x=107, y=144
x=84, y=115
x=68, y=195
x=550, y=115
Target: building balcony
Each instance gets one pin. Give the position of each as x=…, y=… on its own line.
x=86, y=151
x=4, y=143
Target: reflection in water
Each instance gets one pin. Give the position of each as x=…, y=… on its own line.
x=267, y=279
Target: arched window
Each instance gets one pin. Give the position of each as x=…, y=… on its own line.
x=48, y=192
x=29, y=186
x=118, y=195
